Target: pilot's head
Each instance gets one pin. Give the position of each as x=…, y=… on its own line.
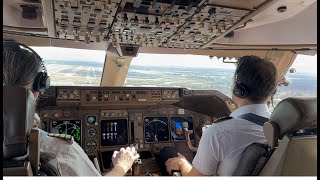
x=23, y=67
x=254, y=81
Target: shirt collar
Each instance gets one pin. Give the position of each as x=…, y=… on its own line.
x=259, y=109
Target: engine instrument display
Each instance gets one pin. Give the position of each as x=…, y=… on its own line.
x=177, y=127
x=114, y=132
x=156, y=129
x=71, y=127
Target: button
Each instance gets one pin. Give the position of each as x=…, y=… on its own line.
x=56, y=115
x=45, y=115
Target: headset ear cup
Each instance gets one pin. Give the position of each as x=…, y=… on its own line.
x=240, y=91
x=36, y=82
x=41, y=82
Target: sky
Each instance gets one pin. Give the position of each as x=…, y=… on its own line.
x=303, y=63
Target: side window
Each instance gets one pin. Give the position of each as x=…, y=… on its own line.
x=300, y=80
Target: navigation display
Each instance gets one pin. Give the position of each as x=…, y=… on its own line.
x=71, y=127
x=177, y=128
x=156, y=129
x=114, y=132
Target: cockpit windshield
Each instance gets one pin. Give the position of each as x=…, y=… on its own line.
x=205, y=73
x=81, y=67
x=73, y=67
x=189, y=71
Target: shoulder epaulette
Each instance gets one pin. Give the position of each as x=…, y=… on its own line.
x=223, y=119
x=66, y=137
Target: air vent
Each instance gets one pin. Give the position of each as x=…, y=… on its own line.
x=29, y=12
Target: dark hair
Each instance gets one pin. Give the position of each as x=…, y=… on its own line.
x=20, y=67
x=258, y=75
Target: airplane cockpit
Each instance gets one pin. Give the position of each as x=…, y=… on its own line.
x=104, y=118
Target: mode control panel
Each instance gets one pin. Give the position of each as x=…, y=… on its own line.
x=113, y=113
x=69, y=96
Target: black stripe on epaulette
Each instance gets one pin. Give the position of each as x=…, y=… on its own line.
x=222, y=119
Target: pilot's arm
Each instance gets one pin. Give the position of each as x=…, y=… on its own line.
x=205, y=162
x=74, y=161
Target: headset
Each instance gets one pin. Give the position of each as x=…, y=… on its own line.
x=42, y=80
x=240, y=89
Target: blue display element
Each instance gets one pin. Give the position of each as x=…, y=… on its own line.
x=178, y=125
x=177, y=129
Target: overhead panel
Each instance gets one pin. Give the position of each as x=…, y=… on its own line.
x=183, y=24
x=84, y=20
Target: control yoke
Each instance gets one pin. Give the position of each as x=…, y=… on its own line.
x=185, y=127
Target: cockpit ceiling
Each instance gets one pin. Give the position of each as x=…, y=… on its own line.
x=191, y=24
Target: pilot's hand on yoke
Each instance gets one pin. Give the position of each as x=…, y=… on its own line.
x=125, y=158
x=172, y=164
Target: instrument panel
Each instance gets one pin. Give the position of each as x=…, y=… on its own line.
x=104, y=119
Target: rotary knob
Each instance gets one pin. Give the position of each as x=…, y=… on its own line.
x=45, y=115
x=112, y=114
x=56, y=114
x=75, y=91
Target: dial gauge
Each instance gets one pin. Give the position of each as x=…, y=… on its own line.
x=91, y=145
x=91, y=119
x=91, y=132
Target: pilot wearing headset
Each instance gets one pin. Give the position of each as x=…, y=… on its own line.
x=23, y=67
x=222, y=144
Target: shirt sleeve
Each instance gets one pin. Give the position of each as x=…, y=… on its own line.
x=71, y=157
x=209, y=152
x=80, y=164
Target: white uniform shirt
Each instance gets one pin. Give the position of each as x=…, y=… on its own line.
x=71, y=157
x=222, y=144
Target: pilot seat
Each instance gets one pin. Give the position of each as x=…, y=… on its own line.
x=291, y=148
x=21, y=148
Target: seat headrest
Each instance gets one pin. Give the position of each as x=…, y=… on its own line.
x=18, y=119
x=293, y=114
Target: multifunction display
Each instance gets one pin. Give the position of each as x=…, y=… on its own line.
x=156, y=129
x=71, y=127
x=177, y=131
